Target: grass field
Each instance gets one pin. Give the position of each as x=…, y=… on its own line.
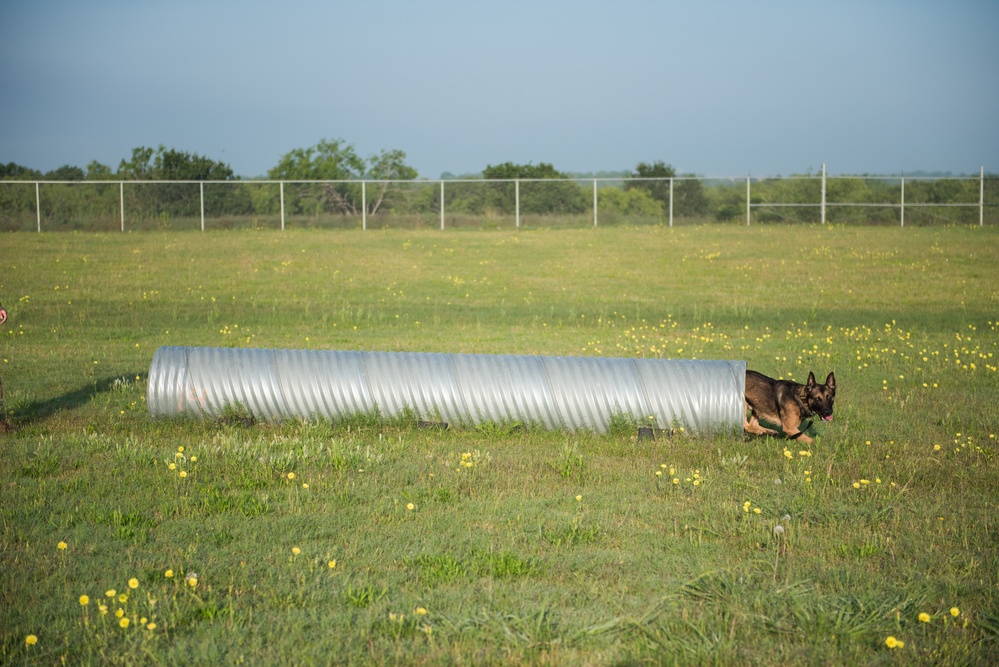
x=360, y=542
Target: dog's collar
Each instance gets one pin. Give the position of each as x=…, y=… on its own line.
x=801, y=431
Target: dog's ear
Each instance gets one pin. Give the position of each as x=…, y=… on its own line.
x=831, y=381
x=811, y=379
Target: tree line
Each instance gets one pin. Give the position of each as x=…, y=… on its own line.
x=651, y=192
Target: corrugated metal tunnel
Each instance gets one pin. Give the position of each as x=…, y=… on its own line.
x=554, y=392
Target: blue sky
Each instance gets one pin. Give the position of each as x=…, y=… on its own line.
x=716, y=88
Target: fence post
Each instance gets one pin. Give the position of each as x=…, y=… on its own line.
x=121, y=202
x=442, y=204
x=823, y=193
x=516, y=201
x=594, y=203
x=901, y=216
x=671, y=202
x=202, y=206
x=38, y=208
x=981, y=198
x=281, y=188
x=364, y=207
x=747, y=201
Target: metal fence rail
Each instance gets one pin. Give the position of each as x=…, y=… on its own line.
x=123, y=205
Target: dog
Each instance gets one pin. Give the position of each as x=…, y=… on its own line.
x=787, y=403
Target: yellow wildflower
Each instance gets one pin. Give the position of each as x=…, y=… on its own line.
x=955, y=612
x=124, y=622
x=30, y=640
x=61, y=546
x=891, y=642
x=133, y=583
x=924, y=617
x=84, y=600
x=296, y=550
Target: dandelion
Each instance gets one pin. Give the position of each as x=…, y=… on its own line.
x=891, y=642
x=936, y=448
x=659, y=473
x=955, y=612
x=123, y=597
x=579, y=499
x=30, y=640
x=192, y=579
x=103, y=608
x=304, y=485
x=181, y=449
x=676, y=480
x=778, y=529
x=84, y=600
x=150, y=626
x=856, y=485
x=420, y=611
x=194, y=459
x=111, y=593
x=924, y=617
x=133, y=583
x=183, y=474
x=332, y=564
x=168, y=574
x=61, y=546
x=757, y=510
x=124, y=622
x=172, y=466
x=119, y=612
x=291, y=475
x=295, y=551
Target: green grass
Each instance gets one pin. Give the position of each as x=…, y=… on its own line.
x=550, y=547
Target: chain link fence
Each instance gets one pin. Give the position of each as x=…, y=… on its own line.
x=493, y=204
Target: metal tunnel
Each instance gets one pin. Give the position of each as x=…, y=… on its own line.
x=554, y=392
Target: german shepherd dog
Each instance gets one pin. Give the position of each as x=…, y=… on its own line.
x=787, y=403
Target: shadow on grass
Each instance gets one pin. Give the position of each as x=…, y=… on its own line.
x=34, y=411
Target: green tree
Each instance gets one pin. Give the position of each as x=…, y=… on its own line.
x=99, y=172
x=16, y=172
x=556, y=195
x=65, y=173
x=658, y=188
x=338, y=163
x=179, y=199
x=689, y=198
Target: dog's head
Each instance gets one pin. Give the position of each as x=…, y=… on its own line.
x=819, y=397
